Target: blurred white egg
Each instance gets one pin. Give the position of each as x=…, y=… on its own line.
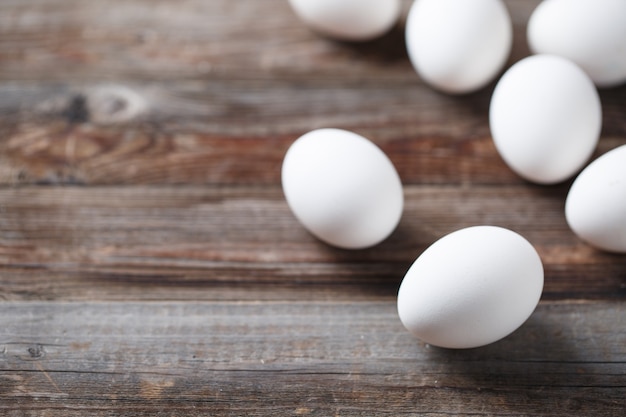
x=471, y=288
x=348, y=20
x=458, y=46
x=342, y=188
x=545, y=118
x=591, y=33
x=596, y=203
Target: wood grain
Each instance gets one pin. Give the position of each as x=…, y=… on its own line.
x=131, y=106
x=149, y=264
x=61, y=40
x=301, y=358
x=237, y=132
x=177, y=241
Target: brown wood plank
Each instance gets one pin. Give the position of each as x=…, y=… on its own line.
x=171, y=242
x=237, y=132
x=159, y=39
x=301, y=358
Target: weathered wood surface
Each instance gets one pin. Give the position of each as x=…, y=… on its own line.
x=243, y=243
x=300, y=358
x=149, y=264
x=153, y=92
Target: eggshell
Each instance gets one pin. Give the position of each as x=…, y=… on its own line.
x=348, y=20
x=595, y=208
x=591, y=33
x=471, y=288
x=545, y=118
x=342, y=188
x=458, y=46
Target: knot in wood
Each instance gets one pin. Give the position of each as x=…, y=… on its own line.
x=36, y=351
x=76, y=110
x=113, y=104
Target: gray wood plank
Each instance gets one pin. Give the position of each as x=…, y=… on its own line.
x=311, y=358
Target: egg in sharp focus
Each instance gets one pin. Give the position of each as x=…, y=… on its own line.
x=342, y=188
x=545, y=118
x=471, y=288
x=591, y=33
x=458, y=46
x=348, y=20
x=595, y=207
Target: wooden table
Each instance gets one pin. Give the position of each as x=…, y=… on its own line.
x=149, y=265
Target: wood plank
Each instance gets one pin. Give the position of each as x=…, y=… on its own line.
x=304, y=358
x=237, y=132
x=157, y=39
x=214, y=242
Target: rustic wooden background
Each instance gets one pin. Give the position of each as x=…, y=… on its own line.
x=149, y=264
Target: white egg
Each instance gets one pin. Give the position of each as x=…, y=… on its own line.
x=458, y=46
x=471, y=288
x=545, y=118
x=342, y=188
x=596, y=203
x=349, y=20
x=592, y=33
